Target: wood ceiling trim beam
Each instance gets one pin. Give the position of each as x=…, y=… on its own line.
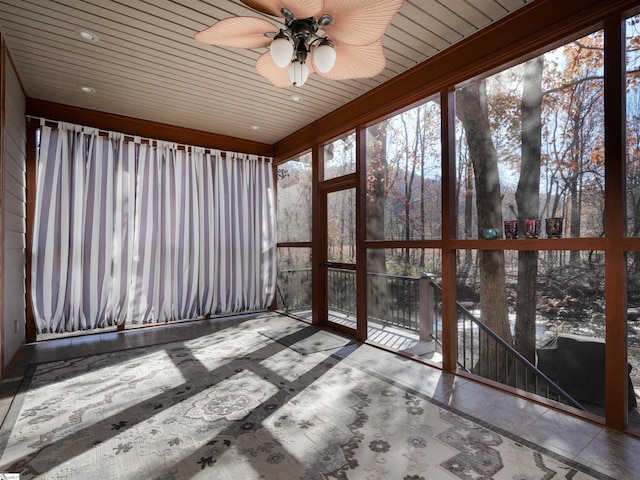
x=528, y=31
x=144, y=128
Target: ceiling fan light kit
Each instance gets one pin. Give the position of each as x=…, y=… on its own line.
x=343, y=43
x=324, y=56
x=298, y=73
x=281, y=50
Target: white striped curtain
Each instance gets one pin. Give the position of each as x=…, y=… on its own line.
x=129, y=232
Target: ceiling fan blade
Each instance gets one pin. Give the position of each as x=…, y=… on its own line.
x=266, y=67
x=239, y=32
x=359, y=22
x=279, y=77
x=356, y=61
x=300, y=8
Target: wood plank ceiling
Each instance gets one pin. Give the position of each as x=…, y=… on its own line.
x=147, y=65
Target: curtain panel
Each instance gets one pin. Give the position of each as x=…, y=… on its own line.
x=133, y=231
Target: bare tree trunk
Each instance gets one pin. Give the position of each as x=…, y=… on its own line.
x=468, y=208
x=376, y=263
x=409, y=176
x=574, y=255
x=473, y=112
x=528, y=201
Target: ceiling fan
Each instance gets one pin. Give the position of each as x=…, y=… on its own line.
x=337, y=39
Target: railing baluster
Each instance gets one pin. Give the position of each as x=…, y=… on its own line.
x=464, y=342
x=473, y=344
x=506, y=363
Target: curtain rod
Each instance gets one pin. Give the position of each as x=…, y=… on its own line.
x=131, y=138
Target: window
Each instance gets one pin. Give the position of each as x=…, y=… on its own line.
x=404, y=175
x=294, y=200
x=294, y=279
x=530, y=146
x=340, y=157
x=530, y=164
x=294, y=226
x=404, y=300
x=552, y=310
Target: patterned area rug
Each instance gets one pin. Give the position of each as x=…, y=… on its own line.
x=238, y=405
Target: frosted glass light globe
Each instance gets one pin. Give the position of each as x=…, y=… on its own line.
x=324, y=57
x=281, y=51
x=298, y=73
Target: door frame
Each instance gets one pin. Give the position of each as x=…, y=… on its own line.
x=324, y=264
x=319, y=245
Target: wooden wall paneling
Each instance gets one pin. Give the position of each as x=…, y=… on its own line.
x=3, y=73
x=13, y=206
x=32, y=128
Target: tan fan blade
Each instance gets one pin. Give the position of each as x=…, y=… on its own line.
x=239, y=32
x=359, y=22
x=300, y=8
x=356, y=61
x=266, y=67
x=279, y=77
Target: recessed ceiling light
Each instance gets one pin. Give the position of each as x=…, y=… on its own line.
x=255, y=127
x=296, y=98
x=87, y=89
x=86, y=35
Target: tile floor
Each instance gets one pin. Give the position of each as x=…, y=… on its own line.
x=610, y=452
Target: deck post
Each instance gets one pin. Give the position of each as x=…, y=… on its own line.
x=426, y=308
